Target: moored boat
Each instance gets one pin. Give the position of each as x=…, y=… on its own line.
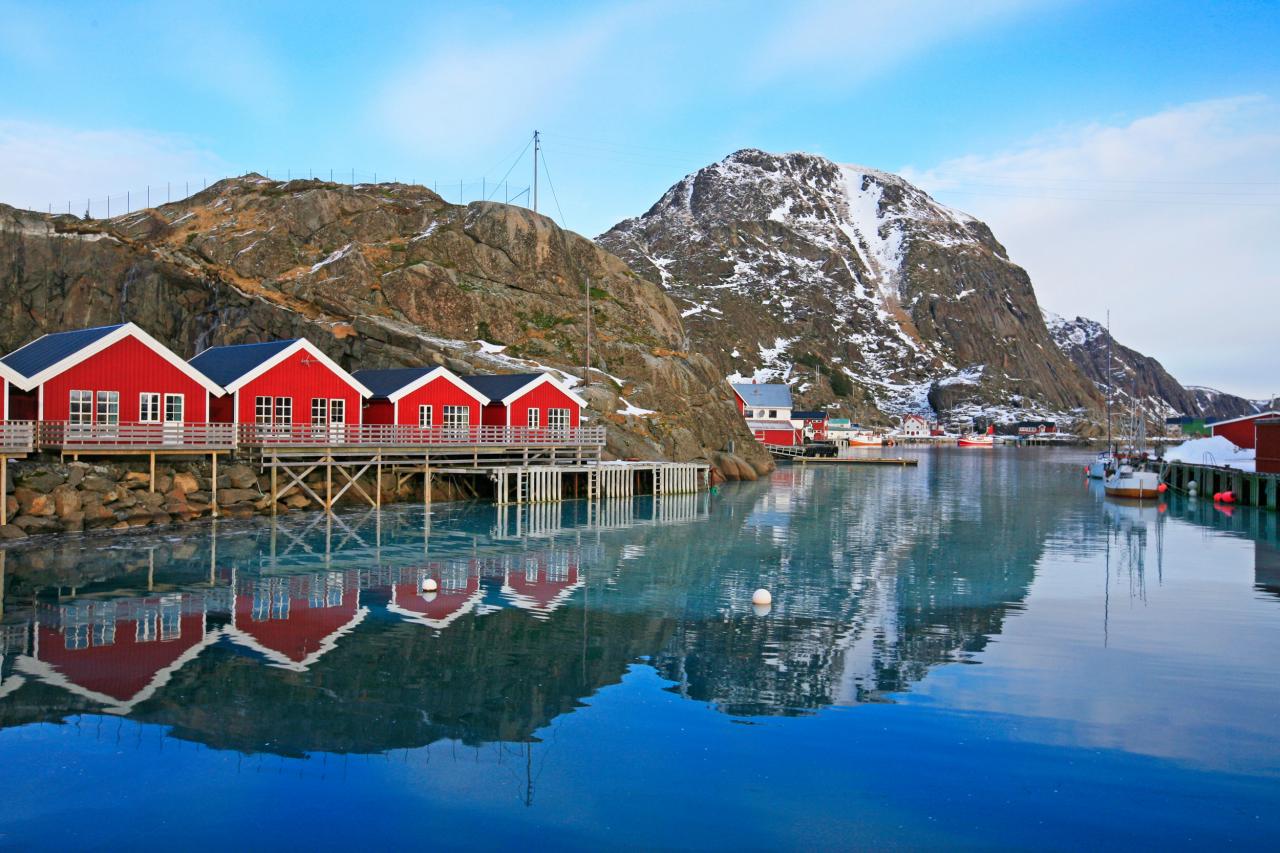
x=1127, y=482
x=987, y=439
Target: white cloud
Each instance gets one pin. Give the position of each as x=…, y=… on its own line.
x=1169, y=220
x=44, y=165
x=850, y=42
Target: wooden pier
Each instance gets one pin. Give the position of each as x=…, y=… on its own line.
x=1249, y=489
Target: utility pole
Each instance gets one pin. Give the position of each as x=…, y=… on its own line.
x=537, y=152
x=586, y=374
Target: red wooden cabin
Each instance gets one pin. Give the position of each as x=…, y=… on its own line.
x=96, y=381
x=282, y=386
x=293, y=621
x=1240, y=431
x=8, y=377
x=533, y=400
x=421, y=397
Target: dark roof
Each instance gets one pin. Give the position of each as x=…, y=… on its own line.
x=498, y=386
x=47, y=351
x=225, y=365
x=809, y=416
x=384, y=383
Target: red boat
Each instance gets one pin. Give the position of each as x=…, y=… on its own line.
x=975, y=440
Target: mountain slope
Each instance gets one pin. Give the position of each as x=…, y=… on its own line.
x=854, y=286
x=378, y=276
x=1086, y=342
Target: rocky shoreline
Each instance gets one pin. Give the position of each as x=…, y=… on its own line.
x=51, y=496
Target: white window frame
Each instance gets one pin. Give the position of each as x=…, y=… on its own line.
x=283, y=413
x=149, y=407
x=262, y=411
x=319, y=411
x=181, y=410
x=80, y=408
x=534, y=418
x=425, y=416
x=456, y=418
x=556, y=414
x=106, y=408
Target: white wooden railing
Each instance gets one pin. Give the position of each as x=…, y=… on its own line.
x=135, y=436
x=17, y=436
x=400, y=435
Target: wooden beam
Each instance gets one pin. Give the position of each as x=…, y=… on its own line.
x=213, y=482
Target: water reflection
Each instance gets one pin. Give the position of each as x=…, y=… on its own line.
x=315, y=634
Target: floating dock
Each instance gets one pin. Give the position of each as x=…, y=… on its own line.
x=1249, y=489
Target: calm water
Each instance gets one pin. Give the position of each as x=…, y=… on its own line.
x=981, y=652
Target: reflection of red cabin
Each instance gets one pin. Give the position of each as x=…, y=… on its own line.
x=418, y=396
x=293, y=621
x=459, y=591
x=118, y=661
x=542, y=583
x=534, y=400
x=110, y=369
x=280, y=383
x=1240, y=431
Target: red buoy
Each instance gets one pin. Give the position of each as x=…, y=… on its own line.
x=1228, y=498
x=1217, y=496
x=1162, y=488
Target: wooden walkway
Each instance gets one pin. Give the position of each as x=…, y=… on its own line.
x=1249, y=489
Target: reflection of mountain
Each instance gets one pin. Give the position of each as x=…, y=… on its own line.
x=873, y=592
x=316, y=635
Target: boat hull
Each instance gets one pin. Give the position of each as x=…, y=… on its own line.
x=1139, y=493
x=974, y=442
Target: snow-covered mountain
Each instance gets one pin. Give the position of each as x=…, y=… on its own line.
x=855, y=287
x=1085, y=343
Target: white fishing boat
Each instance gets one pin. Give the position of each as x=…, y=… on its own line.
x=846, y=434
x=1128, y=482
x=1103, y=462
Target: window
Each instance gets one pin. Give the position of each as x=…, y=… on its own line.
x=748, y=413
x=424, y=416
x=558, y=419
x=261, y=410
x=773, y=413
x=319, y=411
x=457, y=417
x=149, y=408
x=108, y=407
x=337, y=411
x=173, y=405
x=284, y=411
x=81, y=411
x=148, y=623
x=534, y=419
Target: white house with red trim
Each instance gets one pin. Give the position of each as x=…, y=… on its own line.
x=915, y=426
x=766, y=407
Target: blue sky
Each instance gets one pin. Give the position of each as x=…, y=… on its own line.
x=1127, y=153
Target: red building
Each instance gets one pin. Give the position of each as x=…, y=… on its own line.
x=1267, y=444
x=1240, y=431
x=812, y=424
x=280, y=384
x=458, y=592
x=293, y=621
x=773, y=432
x=422, y=397
x=118, y=653
x=533, y=400
x=105, y=377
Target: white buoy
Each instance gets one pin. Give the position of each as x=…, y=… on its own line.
x=762, y=609
x=429, y=585
x=761, y=596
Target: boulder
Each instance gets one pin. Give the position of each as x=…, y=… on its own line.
x=227, y=497
x=32, y=502
x=73, y=522
x=161, y=518
x=137, y=478
x=241, y=477
x=37, y=524
x=297, y=500
x=41, y=480
x=164, y=482
x=66, y=500
x=76, y=473
x=185, y=481
x=96, y=515
x=97, y=483
x=12, y=531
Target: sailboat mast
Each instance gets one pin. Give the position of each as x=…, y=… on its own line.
x=1109, y=375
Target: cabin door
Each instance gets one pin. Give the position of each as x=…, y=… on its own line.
x=337, y=421
x=174, y=411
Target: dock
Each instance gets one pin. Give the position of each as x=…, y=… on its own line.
x=856, y=460
x=1248, y=488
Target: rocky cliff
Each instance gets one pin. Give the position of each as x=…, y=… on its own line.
x=378, y=275
x=855, y=287
x=1089, y=345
